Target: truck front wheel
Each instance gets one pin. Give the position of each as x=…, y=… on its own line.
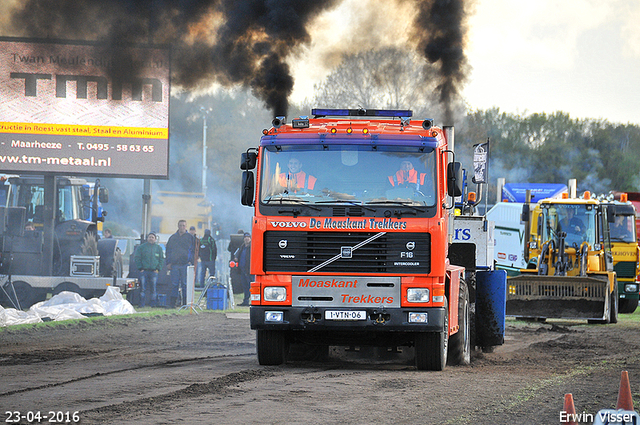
x=431, y=347
x=272, y=347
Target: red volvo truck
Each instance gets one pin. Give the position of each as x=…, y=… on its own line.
x=352, y=240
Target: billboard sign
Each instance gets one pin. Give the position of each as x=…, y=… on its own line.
x=62, y=111
x=516, y=192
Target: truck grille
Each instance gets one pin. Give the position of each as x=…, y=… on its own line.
x=392, y=253
x=625, y=269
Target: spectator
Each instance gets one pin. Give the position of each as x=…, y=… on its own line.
x=180, y=251
x=106, y=233
x=243, y=257
x=149, y=259
x=207, y=254
x=235, y=241
x=196, y=246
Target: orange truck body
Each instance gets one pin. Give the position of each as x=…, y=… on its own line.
x=354, y=260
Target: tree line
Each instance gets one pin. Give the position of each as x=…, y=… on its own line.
x=524, y=148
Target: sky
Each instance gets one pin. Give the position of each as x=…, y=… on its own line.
x=581, y=57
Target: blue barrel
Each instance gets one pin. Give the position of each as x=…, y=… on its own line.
x=217, y=298
x=491, y=302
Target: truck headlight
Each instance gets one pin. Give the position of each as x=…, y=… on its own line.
x=273, y=316
x=631, y=287
x=275, y=293
x=418, y=317
x=418, y=295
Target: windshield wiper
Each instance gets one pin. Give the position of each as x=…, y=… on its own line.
x=280, y=199
x=294, y=211
x=345, y=201
x=403, y=203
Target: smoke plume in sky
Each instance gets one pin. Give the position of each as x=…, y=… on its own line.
x=250, y=43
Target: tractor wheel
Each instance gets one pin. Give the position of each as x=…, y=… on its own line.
x=272, y=347
x=116, y=266
x=431, y=347
x=460, y=342
x=89, y=244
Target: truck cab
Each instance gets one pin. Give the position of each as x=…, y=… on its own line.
x=353, y=218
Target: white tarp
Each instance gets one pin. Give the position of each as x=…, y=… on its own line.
x=68, y=305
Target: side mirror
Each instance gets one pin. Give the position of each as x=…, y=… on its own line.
x=247, y=188
x=540, y=229
x=103, y=195
x=248, y=161
x=611, y=216
x=524, y=217
x=454, y=179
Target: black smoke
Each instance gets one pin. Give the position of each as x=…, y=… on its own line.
x=232, y=42
x=440, y=31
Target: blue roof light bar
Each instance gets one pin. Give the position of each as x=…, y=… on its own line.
x=322, y=112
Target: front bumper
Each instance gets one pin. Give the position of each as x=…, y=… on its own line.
x=377, y=319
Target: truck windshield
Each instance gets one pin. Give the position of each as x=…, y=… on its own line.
x=31, y=196
x=623, y=229
x=577, y=221
x=348, y=174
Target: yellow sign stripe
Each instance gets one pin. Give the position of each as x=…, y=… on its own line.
x=84, y=130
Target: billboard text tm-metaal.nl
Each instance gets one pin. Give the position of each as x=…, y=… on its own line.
x=69, y=108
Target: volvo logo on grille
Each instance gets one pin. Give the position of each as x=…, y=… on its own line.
x=411, y=245
x=346, y=252
x=282, y=244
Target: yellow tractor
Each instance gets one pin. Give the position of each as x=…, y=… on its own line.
x=570, y=266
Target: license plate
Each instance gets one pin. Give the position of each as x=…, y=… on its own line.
x=345, y=315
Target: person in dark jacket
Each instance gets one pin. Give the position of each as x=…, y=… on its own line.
x=149, y=259
x=242, y=256
x=180, y=250
x=208, y=252
x=235, y=241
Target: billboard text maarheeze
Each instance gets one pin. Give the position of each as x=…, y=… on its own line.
x=61, y=112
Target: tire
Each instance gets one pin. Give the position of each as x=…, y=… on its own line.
x=613, y=303
x=25, y=294
x=67, y=286
x=116, y=266
x=432, y=347
x=89, y=244
x=460, y=342
x=272, y=347
x=627, y=306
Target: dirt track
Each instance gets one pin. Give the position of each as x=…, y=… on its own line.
x=202, y=369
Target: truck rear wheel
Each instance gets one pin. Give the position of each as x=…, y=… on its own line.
x=460, y=342
x=272, y=347
x=431, y=347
